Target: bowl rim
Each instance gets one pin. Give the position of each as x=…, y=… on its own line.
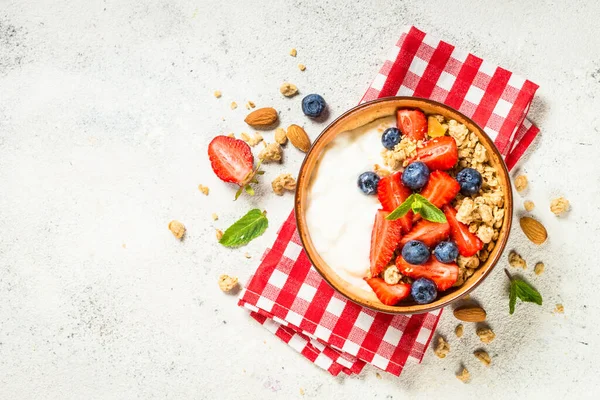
x=413, y=308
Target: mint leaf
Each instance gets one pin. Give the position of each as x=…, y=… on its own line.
x=428, y=211
x=522, y=290
x=402, y=209
x=249, y=227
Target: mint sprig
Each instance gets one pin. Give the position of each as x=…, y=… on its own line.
x=522, y=290
x=249, y=227
x=419, y=205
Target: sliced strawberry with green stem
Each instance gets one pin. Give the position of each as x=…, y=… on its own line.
x=412, y=123
x=389, y=294
x=384, y=241
x=430, y=233
x=443, y=275
x=468, y=244
x=231, y=159
x=439, y=153
x=391, y=193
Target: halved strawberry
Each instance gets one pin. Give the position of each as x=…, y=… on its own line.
x=412, y=123
x=443, y=275
x=468, y=244
x=439, y=153
x=441, y=188
x=231, y=159
x=384, y=241
x=391, y=193
x=430, y=233
x=389, y=294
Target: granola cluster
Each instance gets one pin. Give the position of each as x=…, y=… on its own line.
x=398, y=157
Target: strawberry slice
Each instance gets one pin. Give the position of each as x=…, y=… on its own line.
x=412, y=123
x=443, y=275
x=391, y=193
x=389, y=294
x=231, y=159
x=440, y=189
x=439, y=153
x=430, y=233
x=468, y=244
x=384, y=241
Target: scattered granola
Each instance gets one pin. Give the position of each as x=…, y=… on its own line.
x=302, y=67
x=177, y=229
x=231, y=135
x=301, y=392
x=559, y=206
x=539, y=268
x=516, y=261
x=219, y=234
x=215, y=217
x=280, y=136
x=227, y=283
x=484, y=357
x=442, y=349
x=521, y=183
x=486, y=335
x=293, y=52
x=272, y=152
x=288, y=89
x=217, y=94
x=560, y=309
x=529, y=205
x=247, y=255
x=250, y=105
x=203, y=189
x=251, y=140
x=459, y=330
x=392, y=275
x=233, y=105
x=464, y=375
x=282, y=183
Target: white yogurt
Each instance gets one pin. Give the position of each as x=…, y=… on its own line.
x=339, y=216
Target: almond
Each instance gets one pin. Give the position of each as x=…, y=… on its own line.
x=262, y=117
x=297, y=135
x=534, y=230
x=470, y=314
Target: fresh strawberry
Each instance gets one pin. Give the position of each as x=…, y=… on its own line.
x=389, y=294
x=391, y=193
x=430, y=233
x=231, y=159
x=468, y=244
x=412, y=123
x=439, y=153
x=384, y=241
x=443, y=275
x=440, y=189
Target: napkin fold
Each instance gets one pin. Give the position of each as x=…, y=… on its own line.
x=289, y=297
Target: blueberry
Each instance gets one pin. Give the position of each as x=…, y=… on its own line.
x=313, y=105
x=415, y=252
x=423, y=290
x=469, y=180
x=390, y=138
x=416, y=175
x=446, y=252
x=367, y=182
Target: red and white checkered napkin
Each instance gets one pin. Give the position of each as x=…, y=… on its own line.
x=289, y=297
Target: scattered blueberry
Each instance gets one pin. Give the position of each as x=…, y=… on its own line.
x=423, y=290
x=415, y=252
x=390, y=138
x=416, y=175
x=446, y=252
x=469, y=180
x=367, y=182
x=313, y=105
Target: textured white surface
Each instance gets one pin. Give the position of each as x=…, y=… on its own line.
x=106, y=109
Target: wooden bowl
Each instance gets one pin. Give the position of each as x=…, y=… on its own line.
x=362, y=115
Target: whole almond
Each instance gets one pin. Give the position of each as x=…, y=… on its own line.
x=262, y=117
x=534, y=230
x=297, y=135
x=470, y=314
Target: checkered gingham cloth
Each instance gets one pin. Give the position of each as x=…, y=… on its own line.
x=289, y=297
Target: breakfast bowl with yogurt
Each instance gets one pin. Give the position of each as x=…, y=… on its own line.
x=403, y=205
